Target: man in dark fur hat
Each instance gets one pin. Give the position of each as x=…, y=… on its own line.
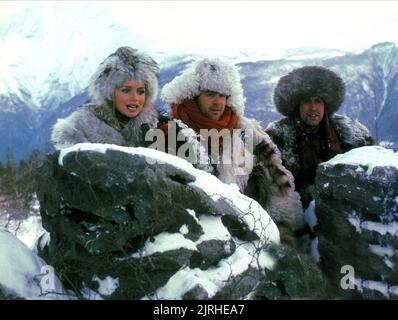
x=311, y=133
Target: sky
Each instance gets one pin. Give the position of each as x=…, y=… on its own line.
x=258, y=26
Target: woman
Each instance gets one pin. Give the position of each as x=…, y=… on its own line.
x=122, y=91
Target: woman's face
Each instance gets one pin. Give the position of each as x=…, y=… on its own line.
x=130, y=98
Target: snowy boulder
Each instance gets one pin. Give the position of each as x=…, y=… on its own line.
x=23, y=274
x=357, y=210
x=135, y=223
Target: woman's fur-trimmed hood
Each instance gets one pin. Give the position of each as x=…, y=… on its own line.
x=207, y=74
x=124, y=64
x=307, y=82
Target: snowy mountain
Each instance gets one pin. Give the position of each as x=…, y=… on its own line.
x=46, y=64
x=49, y=53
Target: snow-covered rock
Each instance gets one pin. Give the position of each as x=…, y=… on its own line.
x=148, y=225
x=357, y=210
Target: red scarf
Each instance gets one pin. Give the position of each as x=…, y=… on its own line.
x=189, y=113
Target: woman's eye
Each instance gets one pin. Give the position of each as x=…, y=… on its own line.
x=125, y=90
x=141, y=91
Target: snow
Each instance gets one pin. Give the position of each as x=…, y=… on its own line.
x=30, y=230
x=382, y=251
x=213, y=228
x=250, y=212
x=213, y=278
x=24, y=274
x=355, y=221
x=193, y=214
x=27, y=230
x=106, y=286
x=89, y=294
x=184, y=229
x=311, y=219
x=310, y=216
x=381, y=228
x=164, y=242
x=316, y=256
x=389, y=263
x=53, y=68
x=394, y=290
x=370, y=156
x=379, y=286
x=259, y=221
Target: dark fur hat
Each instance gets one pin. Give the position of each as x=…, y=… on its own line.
x=307, y=82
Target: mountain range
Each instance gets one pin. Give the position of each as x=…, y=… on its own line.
x=46, y=65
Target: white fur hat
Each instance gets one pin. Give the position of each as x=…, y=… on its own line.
x=207, y=74
x=124, y=64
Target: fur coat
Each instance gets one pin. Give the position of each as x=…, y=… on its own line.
x=288, y=133
x=264, y=178
x=97, y=122
x=351, y=133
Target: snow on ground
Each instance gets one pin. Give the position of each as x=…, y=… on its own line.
x=24, y=274
x=27, y=230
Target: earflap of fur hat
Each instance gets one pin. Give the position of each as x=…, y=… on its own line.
x=207, y=75
x=124, y=64
x=306, y=82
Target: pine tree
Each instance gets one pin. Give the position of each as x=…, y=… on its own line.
x=26, y=176
x=10, y=179
x=2, y=175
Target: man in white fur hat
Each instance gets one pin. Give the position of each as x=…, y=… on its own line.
x=209, y=99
